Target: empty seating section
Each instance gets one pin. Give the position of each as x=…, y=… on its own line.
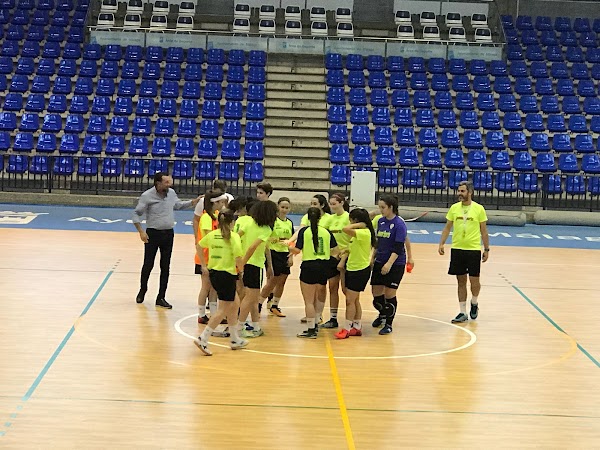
x=431, y=123
x=73, y=108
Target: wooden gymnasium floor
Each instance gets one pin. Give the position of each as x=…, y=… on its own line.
x=84, y=366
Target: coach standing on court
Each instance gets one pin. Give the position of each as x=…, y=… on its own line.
x=470, y=228
x=157, y=204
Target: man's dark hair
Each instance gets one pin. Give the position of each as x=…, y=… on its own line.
x=220, y=184
x=265, y=187
x=468, y=185
x=158, y=176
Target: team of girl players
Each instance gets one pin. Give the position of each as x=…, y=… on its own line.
x=247, y=237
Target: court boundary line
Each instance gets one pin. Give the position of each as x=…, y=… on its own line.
x=555, y=325
x=56, y=353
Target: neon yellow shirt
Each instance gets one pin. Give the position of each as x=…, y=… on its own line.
x=323, y=221
x=335, y=224
x=360, y=250
x=375, y=221
x=305, y=243
x=282, y=231
x=222, y=252
x=252, y=232
x=466, y=234
x=240, y=222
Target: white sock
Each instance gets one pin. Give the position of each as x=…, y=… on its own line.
x=463, y=307
x=333, y=312
x=256, y=325
x=240, y=325
x=348, y=325
x=201, y=310
x=235, y=335
x=206, y=334
x=276, y=301
x=473, y=300
x=261, y=300
x=310, y=323
x=213, y=308
x=356, y=324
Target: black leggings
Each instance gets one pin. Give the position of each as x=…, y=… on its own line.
x=163, y=240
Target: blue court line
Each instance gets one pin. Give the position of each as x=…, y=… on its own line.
x=557, y=326
x=56, y=353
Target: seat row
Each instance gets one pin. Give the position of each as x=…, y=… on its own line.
x=454, y=158
x=544, y=23
x=465, y=101
x=94, y=144
x=490, y=120
x=74, y=34
x=550, y=38
x=506, y=182
x=145, y=106
x=48, y=5
x=133, y=168
x=42, y=18
x=471, y=139
x=514, y=52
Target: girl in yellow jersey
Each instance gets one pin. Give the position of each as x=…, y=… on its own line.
x=213, y=202
x=281, y=257
x=358, y=269
x=336, y=223
x=317, y=244
x=225, y=260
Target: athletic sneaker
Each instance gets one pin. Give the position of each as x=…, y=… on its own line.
x=255, y=333
x=239, y=344
x=378, y=322
x=387, y=329
x=203, y=346
x=246, y=333
x=355, y=332
x=474, y=311
x=162, y=303
x=269, y=304
x=342, y=334
x=203, y=320
x=311, y=333
x=303, y=320
x=248, y=327
x=222, y=334
x=460, y=318
x=331, y=323
x=276, y=311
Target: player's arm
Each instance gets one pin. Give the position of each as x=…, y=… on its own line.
x=408, y=247
x=445, y=234
x=485, y=237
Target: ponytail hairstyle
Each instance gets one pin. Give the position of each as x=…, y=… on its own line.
x=225, y=221
x=341, y=198
x=391, y=201
x=314, y=215
x=359, y=215
x=237, y=204
x=208, y=203
x=323, y=202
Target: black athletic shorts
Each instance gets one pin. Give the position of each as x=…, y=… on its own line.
x=224, y=283
x=314, y=272
x=280, y=263
x=357, y=280
x=252, y=276
x=463, y=262
x=198, y=269
x=333, y=271
x=391, y=279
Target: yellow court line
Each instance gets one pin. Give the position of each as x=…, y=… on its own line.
x=340, y=395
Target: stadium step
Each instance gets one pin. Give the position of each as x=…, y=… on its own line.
x=293, y=141
x=291, y=87
x=294, y=78
x=295, y=70
x=299, y=106
x=286, y=162
x=297, y=122
x=297, y=132
x=312, y=154
x=295, y=113
x=290, y=96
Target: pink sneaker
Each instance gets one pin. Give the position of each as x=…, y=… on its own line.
x=342, y=334
x=355, y=332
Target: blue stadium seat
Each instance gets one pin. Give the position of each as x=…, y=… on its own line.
x=191, y=90
x=229, y=171
x=131, y=70
x=387, y=177
x=335, y=96
x=473, y=140
x=528, y=104
x=205, y=170
x=454, y=159
x=167, y=107
x=255, y=111
x=486, y=102
x=79, y=105
x=161, y=146
x=57, y=104
x=416, y=64
x=169, y=89
x=340, y=175
x=518, y=69
x=102, y=105
x=400, y=99
x=195, y=56
x=544, y=86
x=595, y=124
x=540, y=142
x=46, y=143
x=183, y=170
x=184, y=148
x=464, y=101
x=186, y=128
x=490, y=120
x=523, y=86
x=233, y=110
x=469, y=120
x=586, y=88
x=432, y=157
x=578, y=124
x=544, y=162
x=405, y=137
x=385, y=156
x=335, y=78
x=361, y=134
x=594, y=186
x=408, y=157
x=92, y=144
x=97, y=125
x=154, y=54
x=383, y=136
x=235, y=74
x=550, y=104
x=570, y=105
x=403, y=117
x=439, y=82
x=450, y=138
x=158, y=165
x=419, y=82
x=494, y=140
x=333, y=61
x=84, y=86
x=591, y=106
x=575, y=185
x=567, y=163
x=534, y=53
x=568, y=39
x=398, y=80
x=123, y=106
x=455, y=177
x=69, y=143
x=19, y=83
x=554, y=54
x=138, y=145
x=523, y=162
x=127, y=88
x=395, y=63
x=214, y=74
x=446, y=119
x=411, y=178
x=23, y=142
x=142, y=126
x=424, y=118
x=165, y=126
x=500, y=160
x=422, y=99
x=517, y=141
x=512, y=122
x=11, y=49
x=339, y=154
x=443, y=100
x=25, y=66
x=132, y=53
x=13, y=102
x=52, y=123
x=434, y=179
x=207, y=149
x=514, y=52
x=584, y=143
x=209, y=129
x=134, y=168
x=74, y=124
x=377, y=80
x=211, y=109
x=253, y=150
x=253, y=171
x=119, y=125
x=478, y=67
x=381, y=116
x=556, y=123
x=457, y=66
x=591, y=163
x=115, y=145
x=114, y=52
x=356, y=79
x=105, y=87
x=255, y=130
x=482, y=181
x=502, y=85
x=460, y=83
x=152, y=71
x=257, y=93
x=505, y=182
x=17, y=164
x=379, y=97
x=428, y=137
x=561, y=142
